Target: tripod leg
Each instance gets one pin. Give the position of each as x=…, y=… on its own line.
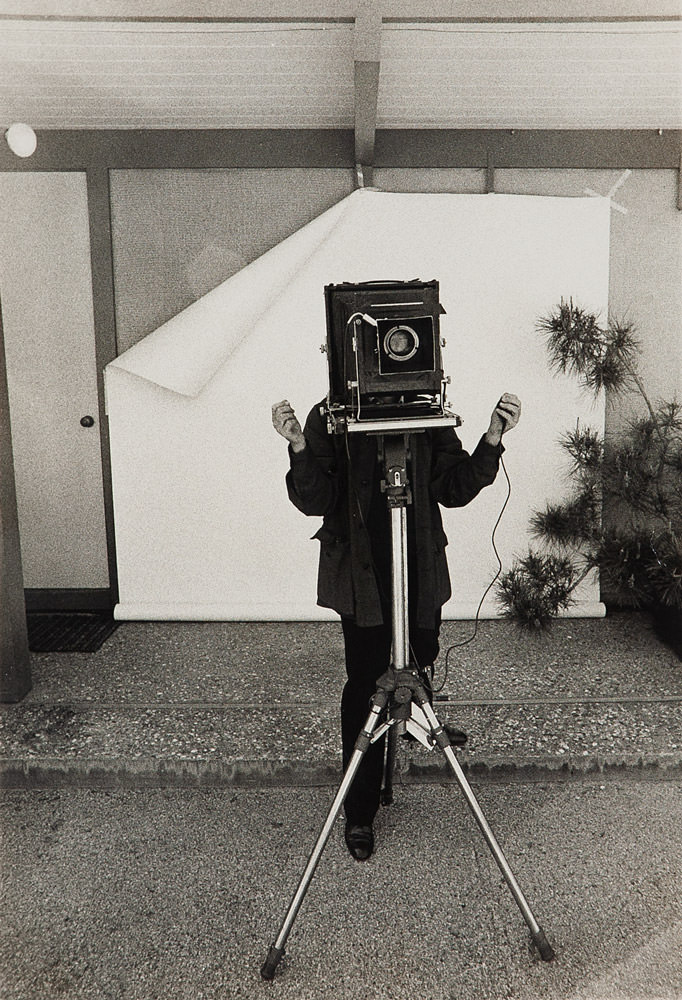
x=362, y=743
x=538, y=935
x=389, y=766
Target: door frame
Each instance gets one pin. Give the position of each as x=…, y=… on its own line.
x=101, y=267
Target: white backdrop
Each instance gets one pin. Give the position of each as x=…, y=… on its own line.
x=204, y=529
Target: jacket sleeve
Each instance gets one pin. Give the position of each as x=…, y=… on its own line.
x=456, y=476
x=312, y=479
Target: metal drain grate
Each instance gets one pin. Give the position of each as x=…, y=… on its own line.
x=68, y=633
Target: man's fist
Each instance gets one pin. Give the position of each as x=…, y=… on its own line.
x=505, y=416
x=285, y=422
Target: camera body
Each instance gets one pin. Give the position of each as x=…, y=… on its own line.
x=383, y=352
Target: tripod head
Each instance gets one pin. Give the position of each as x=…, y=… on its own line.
x=394, y=453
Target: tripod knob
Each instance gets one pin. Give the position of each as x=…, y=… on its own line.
x=402, y=696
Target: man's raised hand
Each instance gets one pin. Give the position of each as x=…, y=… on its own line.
x=285, y=422
x=505, y=416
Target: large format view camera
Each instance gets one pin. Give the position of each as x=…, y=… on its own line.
x=384, y=356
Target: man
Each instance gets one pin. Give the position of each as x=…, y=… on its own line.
x=338, y=478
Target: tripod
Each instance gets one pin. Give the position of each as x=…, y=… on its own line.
x=397, y=691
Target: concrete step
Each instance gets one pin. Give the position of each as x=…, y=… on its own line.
x=257, y=704
x=299, y=745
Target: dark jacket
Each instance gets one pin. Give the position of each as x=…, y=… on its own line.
x=334, y=477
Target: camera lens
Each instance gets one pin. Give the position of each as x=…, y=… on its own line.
x=401, y=343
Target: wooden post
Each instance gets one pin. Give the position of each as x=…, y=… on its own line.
x=15, y=668
x=489, y=172
x=367, y=49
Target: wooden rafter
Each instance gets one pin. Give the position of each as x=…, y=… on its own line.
x=367, y=56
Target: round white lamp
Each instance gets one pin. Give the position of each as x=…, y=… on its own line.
x=21, y=139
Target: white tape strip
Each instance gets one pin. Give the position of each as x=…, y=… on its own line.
x=614, y=204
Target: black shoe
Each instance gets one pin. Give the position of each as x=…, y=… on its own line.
x=359, y=841
x=456, y=736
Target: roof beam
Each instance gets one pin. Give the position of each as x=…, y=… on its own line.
x=367, y=56
x=238, y=149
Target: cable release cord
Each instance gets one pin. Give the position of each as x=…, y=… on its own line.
x=465, y=642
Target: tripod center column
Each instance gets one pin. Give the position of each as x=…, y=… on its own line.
x=401, y=639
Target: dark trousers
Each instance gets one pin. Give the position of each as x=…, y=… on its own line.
x=368, y=656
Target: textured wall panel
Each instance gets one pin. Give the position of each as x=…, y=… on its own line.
x=179, y=233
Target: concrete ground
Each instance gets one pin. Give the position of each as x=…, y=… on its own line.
x=144, y=894
x=161, y=798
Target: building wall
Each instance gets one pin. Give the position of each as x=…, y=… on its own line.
x=178, y=232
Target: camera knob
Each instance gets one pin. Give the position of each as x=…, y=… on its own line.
x=323, y=348
x=87, y=421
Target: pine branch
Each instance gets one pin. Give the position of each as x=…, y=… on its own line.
x=570, y=523
x=646, y=567
x=536, y=589
x=573, y=338
x=664, y=570
x=586, y=449
x=641, y=478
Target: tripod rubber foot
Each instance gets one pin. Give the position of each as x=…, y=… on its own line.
x=543, y=946
x=271, y=962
